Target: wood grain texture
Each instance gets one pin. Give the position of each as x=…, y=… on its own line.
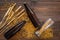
x=44, y=9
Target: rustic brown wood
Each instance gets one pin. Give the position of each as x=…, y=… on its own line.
x=44, y=10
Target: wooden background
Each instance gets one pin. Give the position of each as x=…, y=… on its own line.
x=44, y=9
